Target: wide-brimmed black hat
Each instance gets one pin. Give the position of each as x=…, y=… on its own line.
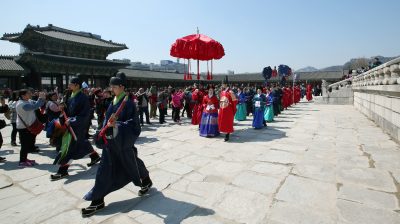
x=75, y=80
x=119, y=79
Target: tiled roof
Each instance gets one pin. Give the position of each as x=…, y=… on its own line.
x=144, y=74
x=9, y=64
x=65, y=34
x=67, y=59
x=78, y=39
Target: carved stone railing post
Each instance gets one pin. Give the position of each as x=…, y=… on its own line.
x=395, y=70
x=376, y=77
x=324, y=88
x=371, y=79
x=365, y=80
x=386, y=72
x=381, y=74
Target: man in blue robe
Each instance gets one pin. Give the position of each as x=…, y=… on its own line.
x=119, y=164
x=78, y=112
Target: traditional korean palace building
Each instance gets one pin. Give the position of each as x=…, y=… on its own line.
x=50, y=55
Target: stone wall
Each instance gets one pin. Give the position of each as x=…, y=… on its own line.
x=377, y=95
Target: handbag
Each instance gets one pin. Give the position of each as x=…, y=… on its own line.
x=35, y=128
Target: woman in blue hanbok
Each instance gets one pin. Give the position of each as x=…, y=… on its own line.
x=269, y=111
x=259, y=101
x=241, y=106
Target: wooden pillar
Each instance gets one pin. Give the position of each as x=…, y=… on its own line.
x=52, y=81
x=59, y=82
x=66, y=81
x=34, y=80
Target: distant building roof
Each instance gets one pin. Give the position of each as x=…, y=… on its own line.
x=151, y=75
x=250, y=77
x=302, y=76
x=8, y=64
x=63, y=34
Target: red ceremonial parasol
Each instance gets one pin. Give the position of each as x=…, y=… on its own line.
x=198, y=47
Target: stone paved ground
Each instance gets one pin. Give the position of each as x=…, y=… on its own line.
x=314, y=164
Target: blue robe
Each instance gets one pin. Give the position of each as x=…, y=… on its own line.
x=241, y=112
x=259, y=102
x=119, y=162
x=78, y=111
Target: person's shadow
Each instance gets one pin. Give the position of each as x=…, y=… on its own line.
x=144, y=139
x=157, y=204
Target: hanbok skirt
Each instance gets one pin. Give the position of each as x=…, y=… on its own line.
x=209, y=125
x=240, y=112
x=258, y=119
x=269, y=113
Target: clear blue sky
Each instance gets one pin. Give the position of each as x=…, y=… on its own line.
x=255, y=34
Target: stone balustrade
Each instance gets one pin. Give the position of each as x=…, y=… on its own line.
x=375, y=93
x=343, y=83
x=385, y=74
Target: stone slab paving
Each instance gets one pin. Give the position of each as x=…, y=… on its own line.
x=314, y=164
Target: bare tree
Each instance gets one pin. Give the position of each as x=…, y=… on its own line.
x=356, y=63
x=359, y=63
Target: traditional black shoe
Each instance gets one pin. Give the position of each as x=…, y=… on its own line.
x=13, y=144
x=94, y=161
x=147, y=183
x=2, y=159
x=58, y=176
x=89, y=211
x=226, y=138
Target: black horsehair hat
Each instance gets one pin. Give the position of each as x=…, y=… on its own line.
x=75, y=80
x=119, y=79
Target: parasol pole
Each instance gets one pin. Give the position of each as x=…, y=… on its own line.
x=198, y=70
x=184, y=70
x=211, y=75
x=189, y=75
x=198, y=62
x=208, y=72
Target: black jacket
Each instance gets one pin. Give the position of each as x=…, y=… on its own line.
x=140, y=99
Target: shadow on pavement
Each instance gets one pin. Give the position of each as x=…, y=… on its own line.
x=142, y=140
x=250, y=134
x=83, y=173
x=157, y=204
